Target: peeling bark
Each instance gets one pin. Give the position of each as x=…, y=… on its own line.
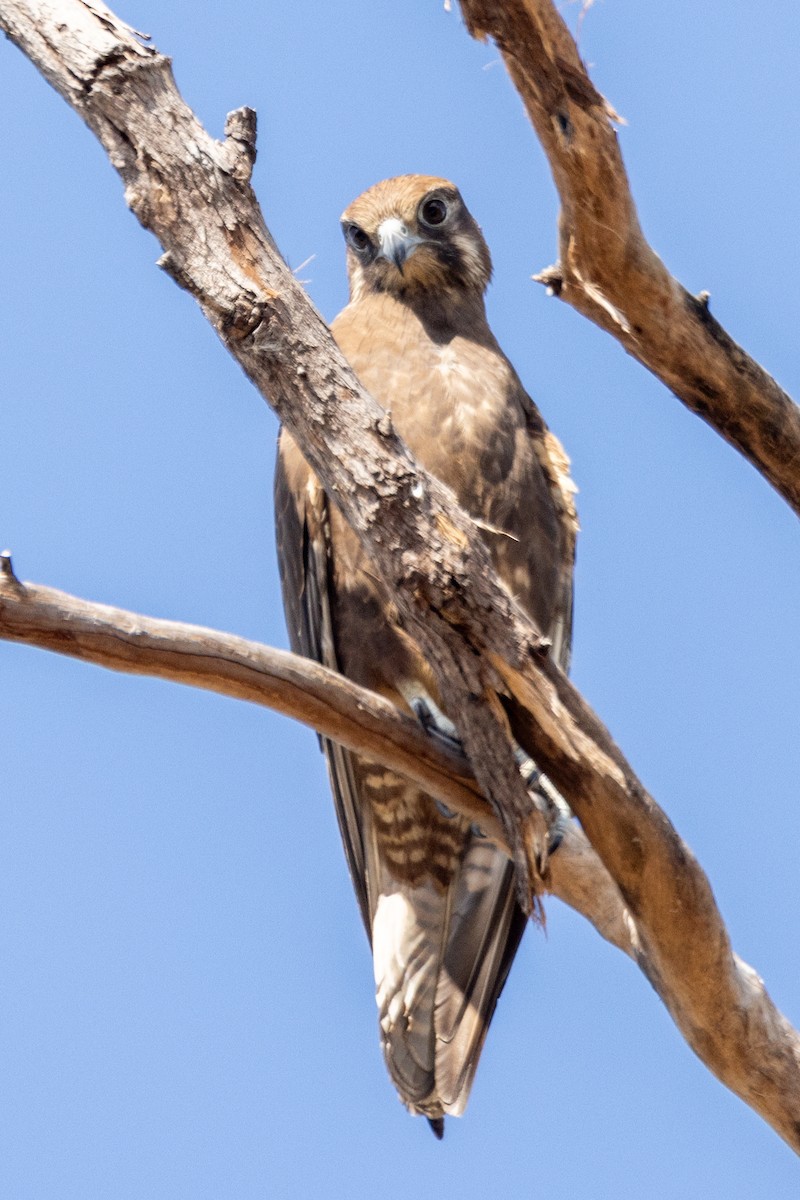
x=491, y=663
x=606, y=268
x=306, y=691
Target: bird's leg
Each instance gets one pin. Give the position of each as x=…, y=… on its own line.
x=440, y=727
x=547, y=799
x=434, y=722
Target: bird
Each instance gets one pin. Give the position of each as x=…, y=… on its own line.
x=437, y=898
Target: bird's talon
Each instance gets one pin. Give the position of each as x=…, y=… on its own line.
x=549, y=802
x=555, y=834
x=435, y=725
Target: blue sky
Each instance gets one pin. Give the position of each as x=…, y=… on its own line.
x=186, y=1005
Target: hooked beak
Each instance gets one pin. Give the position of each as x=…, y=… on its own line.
x=396, y=242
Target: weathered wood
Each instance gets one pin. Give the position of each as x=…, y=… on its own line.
x=306, y=691
x=179, y=181
x=606, y=268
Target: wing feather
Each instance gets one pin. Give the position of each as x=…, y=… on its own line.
x=441, y=953
x=304, y=557
x=555, y=463
x=441, y=956
x=486, y=925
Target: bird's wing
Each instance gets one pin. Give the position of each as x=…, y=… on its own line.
x=442, y=946
x=555, y=464
x=303, y=539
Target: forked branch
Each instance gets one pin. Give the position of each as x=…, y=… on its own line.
x=308, y=692
x=482, y=646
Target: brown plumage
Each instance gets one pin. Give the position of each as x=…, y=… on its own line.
x=438, y=901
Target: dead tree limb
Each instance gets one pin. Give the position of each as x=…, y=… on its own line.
x=308, y=692
x=606, y=268
x=490, y=662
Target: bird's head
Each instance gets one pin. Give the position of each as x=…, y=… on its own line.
x=413, y=235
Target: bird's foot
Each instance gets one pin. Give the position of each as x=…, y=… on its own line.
x=547, y=798
x=440, y=727
x=435, y=723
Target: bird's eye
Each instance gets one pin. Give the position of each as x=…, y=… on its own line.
x=433, y=211
x=356, y=238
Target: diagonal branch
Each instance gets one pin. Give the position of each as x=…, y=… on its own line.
x=308, y=692
x=606, y=268
x=178, y=181
x=194, y=194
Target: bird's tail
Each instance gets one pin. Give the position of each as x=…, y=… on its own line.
x=441, y=957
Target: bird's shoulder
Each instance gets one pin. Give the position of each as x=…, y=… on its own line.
x=555, y=463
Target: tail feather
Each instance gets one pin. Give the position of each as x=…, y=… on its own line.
x=406, y=941
x=437, y=1125
x=484, y=932
x=441, y=957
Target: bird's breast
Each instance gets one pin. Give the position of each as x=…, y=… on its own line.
x=448, y=399
x=457, y=403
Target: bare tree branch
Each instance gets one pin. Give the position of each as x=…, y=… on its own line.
x=607, y=270
x=308, y=692
x=178, y=180
x=490, y=661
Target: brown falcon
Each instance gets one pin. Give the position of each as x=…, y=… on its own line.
x=438, y=901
